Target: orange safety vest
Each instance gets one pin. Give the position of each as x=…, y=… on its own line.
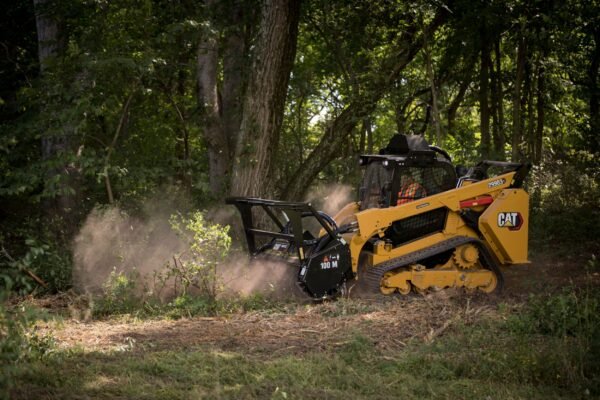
x=410, y=192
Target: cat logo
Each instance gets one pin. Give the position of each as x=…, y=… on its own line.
x=511, y=220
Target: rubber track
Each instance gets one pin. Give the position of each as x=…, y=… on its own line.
x=375, y=274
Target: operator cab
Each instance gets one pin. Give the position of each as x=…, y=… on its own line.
x=407, y=169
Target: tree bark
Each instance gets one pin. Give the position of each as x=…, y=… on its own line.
x=265, y=98
x=528, y=104
x=484, y=93
x=50, y=43
x=456, y=102
x=434, y=99
x=234, y=75
x=213, y=132
x=497, y=103
x=62, y=205
x=540, y=104
x=516, y=100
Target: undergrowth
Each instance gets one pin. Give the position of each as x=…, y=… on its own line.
x=547, y=348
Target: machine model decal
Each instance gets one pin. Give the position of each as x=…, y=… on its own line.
x=497, y=182
x=330, y=261
x=281, y=245
x=511, y=220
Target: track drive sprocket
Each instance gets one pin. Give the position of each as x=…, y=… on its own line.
x=465, y=256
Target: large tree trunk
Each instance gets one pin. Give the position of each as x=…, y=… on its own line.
x=57, y=149
x=50, y=43
x=516, y=114
x=265, y=98
x=234, y=75
x=220, y=101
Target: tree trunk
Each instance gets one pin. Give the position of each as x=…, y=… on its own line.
x=234, y=76
x=456, y=102
x=484, y=92
x=213, y=133
x=539, y=136
x=321, y=156
x=498, y=103
x=528, y=102
x=265, y=98
x=58, y=148
x=369, y=132
x=50, y=43
x=516, y=114
x=434, y=100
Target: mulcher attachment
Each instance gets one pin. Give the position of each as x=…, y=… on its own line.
x=323, y=263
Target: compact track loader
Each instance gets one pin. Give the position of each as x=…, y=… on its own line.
x=419, y=224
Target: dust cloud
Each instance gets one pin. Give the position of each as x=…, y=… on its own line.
x=330, y=198
x=113, y=240
x=273, y=279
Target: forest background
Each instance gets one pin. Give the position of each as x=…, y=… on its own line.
x=116, y=114
x=113, y=102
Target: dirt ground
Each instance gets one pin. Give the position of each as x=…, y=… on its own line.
x=320, y=326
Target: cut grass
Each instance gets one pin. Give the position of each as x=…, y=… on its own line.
x=486, y=360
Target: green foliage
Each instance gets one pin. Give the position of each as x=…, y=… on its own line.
x=17, y=343
x=188, y=286
x=208, y=244
x=44, y=260
x=572, y=320
x=121, y=294
x=571, y=313
x=11, y=342
x=567, y=182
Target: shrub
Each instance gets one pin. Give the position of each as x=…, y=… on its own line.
x=120, y=294
x=17, y=344
x=207, y=245
x=571, y=320
x=41, y=262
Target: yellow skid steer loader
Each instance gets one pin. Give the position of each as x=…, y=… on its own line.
x=418, y=224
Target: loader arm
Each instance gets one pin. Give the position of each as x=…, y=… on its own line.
x=294, y=211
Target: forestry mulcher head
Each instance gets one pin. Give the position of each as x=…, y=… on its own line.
x=416, y=225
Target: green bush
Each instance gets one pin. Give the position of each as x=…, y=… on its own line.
x=207, y=246
x=571, y=313
x=41, y=260
x=190, y=283
x=571, y=322
x=121, y=294
x=17, y=343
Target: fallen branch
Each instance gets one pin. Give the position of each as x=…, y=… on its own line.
x=33, y=276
